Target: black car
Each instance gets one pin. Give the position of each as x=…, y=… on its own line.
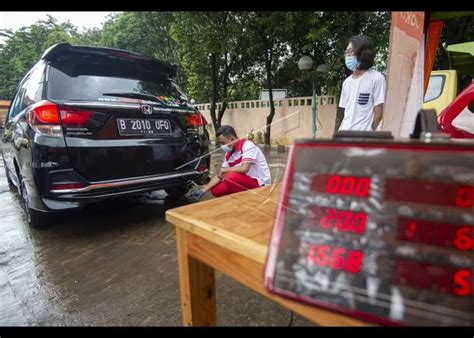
x=88, y=124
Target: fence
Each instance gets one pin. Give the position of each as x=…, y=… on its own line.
x=292, y=120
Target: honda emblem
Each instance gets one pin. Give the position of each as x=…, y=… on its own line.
x=146, y=109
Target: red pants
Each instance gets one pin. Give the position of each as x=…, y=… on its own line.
x=234, y=182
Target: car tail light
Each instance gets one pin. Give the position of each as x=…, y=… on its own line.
x=196, y=122
x=61, y=187
x=74, y=117
x=44, y=118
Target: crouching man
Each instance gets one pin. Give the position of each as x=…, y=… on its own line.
x=244, y=166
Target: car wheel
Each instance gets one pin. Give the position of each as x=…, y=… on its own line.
x=177, y=191
x=35, y=218
x=11, y=185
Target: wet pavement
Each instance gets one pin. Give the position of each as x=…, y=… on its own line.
x=113, y=263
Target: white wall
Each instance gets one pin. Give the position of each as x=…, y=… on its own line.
x=292, y=120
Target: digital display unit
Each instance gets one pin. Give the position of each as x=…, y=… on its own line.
x=378, y=230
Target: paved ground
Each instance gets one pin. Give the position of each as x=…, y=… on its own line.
x=113, y=263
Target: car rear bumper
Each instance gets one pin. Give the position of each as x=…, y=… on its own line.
x=98, y=191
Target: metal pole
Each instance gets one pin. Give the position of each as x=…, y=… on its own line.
x=314, y=105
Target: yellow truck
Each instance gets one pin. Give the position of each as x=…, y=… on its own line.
x=441, y=91
x=443, y=84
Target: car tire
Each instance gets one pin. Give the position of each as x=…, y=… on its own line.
x=35, y=218
x=177, y=191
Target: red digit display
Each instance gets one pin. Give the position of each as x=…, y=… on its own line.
x=462, y=285
x=338, y=258
x=460, y=237
x=464, y=239
x=464, y=197
x=342, y=185
x=429, y=192
x=379, y=230
x=342, y=220
x=354, y=261
x=443, y=279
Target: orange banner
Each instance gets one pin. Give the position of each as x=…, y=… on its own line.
x=410, y=22
x=405, y=78
x=432, y=41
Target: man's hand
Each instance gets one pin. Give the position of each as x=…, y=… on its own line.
x=222, y=171
x=211, y=184
x=197, y=194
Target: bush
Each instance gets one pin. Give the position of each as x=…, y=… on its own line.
x=259, y=137
x=251, y=136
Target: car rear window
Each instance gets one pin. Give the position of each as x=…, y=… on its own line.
x=76, y=81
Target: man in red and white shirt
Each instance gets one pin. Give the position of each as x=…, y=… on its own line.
x=244, y=167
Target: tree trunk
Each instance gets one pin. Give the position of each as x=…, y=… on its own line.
x=268, y=66
x=224, y=90
x=221, y=112
x=216, y=122
x=225, y=86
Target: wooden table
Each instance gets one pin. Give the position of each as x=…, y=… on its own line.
x=230, y=234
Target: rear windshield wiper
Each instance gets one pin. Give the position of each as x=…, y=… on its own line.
x=136, y=96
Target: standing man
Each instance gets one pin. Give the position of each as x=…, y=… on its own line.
x=244, y=167
x=363, y=93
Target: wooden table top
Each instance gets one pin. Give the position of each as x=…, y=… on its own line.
x=241, y=222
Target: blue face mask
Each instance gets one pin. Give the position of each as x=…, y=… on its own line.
x=352, y=63
x=226, y=148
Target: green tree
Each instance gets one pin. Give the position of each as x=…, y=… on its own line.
x=146, y=33
x=323, y=36
x=24, y=47
x=141, y=32
x=90, y=37
x=213, y=51
x=454, y=31
x=268, y=32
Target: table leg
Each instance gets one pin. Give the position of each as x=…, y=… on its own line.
x=197, y=286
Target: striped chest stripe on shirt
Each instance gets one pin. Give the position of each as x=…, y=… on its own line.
x=363, y=98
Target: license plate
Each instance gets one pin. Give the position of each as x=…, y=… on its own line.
x=129, y=127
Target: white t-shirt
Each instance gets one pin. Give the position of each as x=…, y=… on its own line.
x=358, y=98
x=258, y=164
